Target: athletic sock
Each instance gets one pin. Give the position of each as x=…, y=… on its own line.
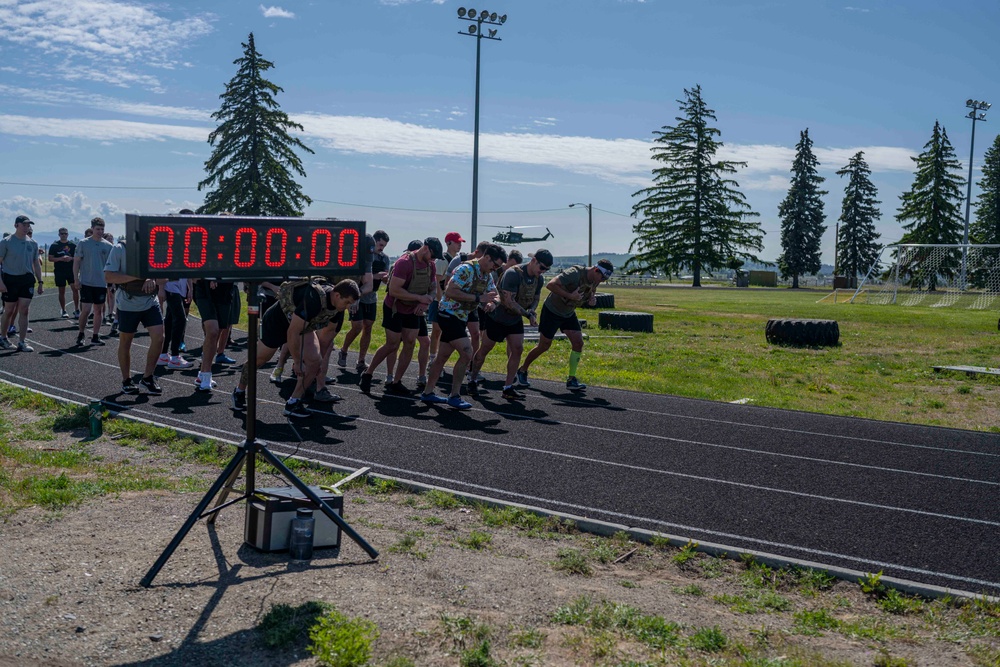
x=574, y=361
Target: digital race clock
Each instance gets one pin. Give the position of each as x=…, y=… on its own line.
x=241, y=248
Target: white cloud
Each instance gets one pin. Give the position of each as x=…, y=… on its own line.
x=547, y=184
x=625, y=161
x=276, y=12
x=73, y=211
x=101, y=40
x=857, y=9
x=55, y=96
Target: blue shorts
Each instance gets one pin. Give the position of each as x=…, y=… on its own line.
x=432, y=312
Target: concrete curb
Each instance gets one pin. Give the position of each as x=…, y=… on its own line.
x=597, y=527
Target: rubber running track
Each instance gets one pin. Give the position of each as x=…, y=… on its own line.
x=918, y=502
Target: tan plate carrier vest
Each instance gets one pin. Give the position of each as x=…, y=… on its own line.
x=286, y=294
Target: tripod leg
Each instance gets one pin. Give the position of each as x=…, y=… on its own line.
x=231, y=469
x=311, y=495
x=225, y=492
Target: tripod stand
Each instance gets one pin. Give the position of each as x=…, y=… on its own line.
x=248, y=452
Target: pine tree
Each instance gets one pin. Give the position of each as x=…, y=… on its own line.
x=857, y=245
x=931, y=211
x=986, y=227
x=692, y=217
x=802, y=215
x=253, y=156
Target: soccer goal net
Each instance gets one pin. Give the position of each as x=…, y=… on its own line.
x=936, y=276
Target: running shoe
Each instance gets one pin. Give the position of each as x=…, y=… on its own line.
x=96, y=340
x=388, y=380
x=129, y=387
x=79, y=339
x=575, y=385
x=152, y=388
x=276, y=374
x=76, y=314
x=239, y=400
x=324, y=395
x=473, y=388
x=458, y=403
x=4, y=343
x=342, y=358
x=421, y=383
x=199, y=387
x=64, y=315
x=366, y=383
x=11, y=330
x=221, y=358
x=297, y=410
x=397, y=389
x=361, y=366
x=24, y=347
x=522, y=377
x=179, y=362
x=114, y=329
x=163, y=360
x=432, y=398
x=512, y=394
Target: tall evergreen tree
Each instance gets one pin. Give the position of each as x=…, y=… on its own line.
x=254, y=155
x=931, y=210
x=802, y=215
x=692, y=217
x=857, y=245
x=986, y=227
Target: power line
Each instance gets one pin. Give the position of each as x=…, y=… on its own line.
x=96, y=187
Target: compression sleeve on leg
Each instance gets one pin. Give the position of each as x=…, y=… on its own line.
x=574, y=361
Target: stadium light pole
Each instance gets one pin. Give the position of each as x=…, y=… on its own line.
x=977, y=111
x=590, y=231
x=476, y=20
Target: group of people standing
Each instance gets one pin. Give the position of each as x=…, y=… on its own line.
x=436, y=296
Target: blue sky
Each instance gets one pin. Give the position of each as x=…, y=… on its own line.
x=104, y=99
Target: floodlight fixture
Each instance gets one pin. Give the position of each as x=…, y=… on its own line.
x=968, y=102
x=476, y=19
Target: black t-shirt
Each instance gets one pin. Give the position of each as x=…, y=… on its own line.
x=62, y=249
x=223, y=292
x=307, y=301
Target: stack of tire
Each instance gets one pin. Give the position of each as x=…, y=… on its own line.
x=604, y=300
x=624, y=321
x=813, y=333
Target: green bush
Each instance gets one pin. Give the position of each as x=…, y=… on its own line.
x=283, y=625
x=339, y=641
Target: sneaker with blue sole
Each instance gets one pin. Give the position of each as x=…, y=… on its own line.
x=433, y=398
x=458, y=403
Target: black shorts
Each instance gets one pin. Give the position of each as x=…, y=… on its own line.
x=220, y=312
x=94, y=295
x=129, y=320
x=396, y=322
x=274, y=327
x=474, y=316
x=452, y=328
x=366, y=312
x=498, y=332
x=550, y=323
x=422, y=326
x=64, y=278
x=18, y=287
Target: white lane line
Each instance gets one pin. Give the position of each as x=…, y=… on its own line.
x=696, y=443
x=740, y=424
x=582, y=509
x=626, y=466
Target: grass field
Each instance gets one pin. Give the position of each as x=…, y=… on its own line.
x=709, y=343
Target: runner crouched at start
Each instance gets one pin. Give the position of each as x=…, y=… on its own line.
x=303, y=308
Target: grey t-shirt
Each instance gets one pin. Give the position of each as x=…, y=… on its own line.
x=511, y=282
x=18, y=255
x=132, y=304
x=93, y=254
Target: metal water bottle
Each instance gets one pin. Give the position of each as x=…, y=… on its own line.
x=95, y=416
x=300, y=539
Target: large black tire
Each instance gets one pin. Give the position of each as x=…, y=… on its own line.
x=816, y=333
x=611, y=319
x=604, y=300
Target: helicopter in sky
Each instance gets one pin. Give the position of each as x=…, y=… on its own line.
x=510, y=237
